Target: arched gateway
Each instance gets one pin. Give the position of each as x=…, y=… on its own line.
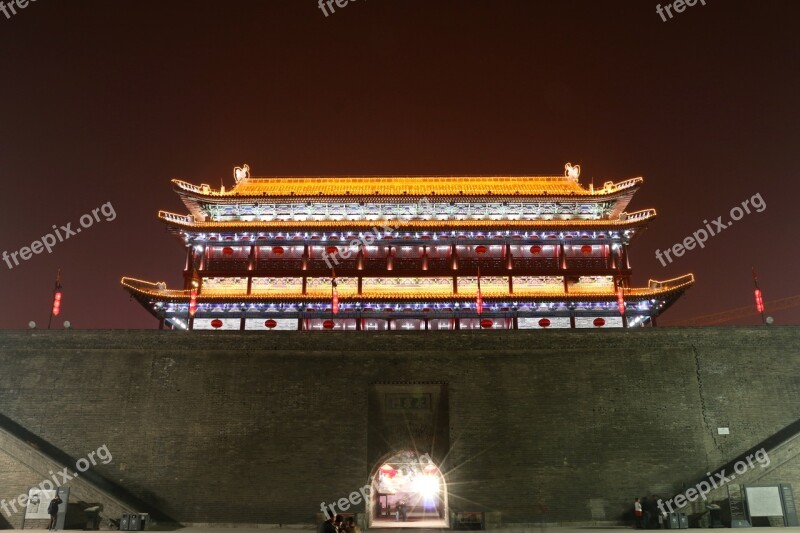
x=407, y=490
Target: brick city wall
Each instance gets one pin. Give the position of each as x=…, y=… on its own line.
x=262, y=427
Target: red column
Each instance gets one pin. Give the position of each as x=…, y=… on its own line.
x=189, y=258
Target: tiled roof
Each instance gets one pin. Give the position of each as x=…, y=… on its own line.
x=306, y=186
x=656, y=289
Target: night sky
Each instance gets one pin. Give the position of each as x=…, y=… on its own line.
x=106, y=101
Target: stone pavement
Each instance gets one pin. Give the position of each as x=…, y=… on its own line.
x=519, y=529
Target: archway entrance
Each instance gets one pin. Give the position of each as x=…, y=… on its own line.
x=408, y=491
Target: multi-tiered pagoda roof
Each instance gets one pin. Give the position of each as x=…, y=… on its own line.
x=421, y=252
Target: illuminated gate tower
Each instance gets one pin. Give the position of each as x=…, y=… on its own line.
x=407, y=253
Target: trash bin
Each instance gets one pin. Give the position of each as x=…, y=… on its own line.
x=714, y=515
x=92, y=518
x=124, y=522
x=683, y=521
x=671, y=521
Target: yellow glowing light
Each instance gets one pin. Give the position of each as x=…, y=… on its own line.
x=427, y=486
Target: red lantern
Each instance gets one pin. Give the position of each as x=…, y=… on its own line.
x=388, y=471
x=328, y=324
x=277, y=250
x=586, y=249
x=480, y=250
x=536, y=250
x=331, y=250
x=599, y=322
x=270, y=323
x=487, y=323
x=193, y=302
x=335, y=301
x=544, y=322
x=57, y=303
x=216, y=323
x=759, y=301
x=227, y=250
x=620, y=301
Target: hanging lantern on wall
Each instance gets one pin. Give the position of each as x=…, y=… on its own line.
x=270, y=323
x=544, y=322
x=227, y=250
x=599, y=322
x=216, y=323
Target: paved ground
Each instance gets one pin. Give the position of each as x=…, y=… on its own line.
x=547, y=529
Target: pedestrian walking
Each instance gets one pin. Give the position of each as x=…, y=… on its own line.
x=52, y=510
x=637, y=513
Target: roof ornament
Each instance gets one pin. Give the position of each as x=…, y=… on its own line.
x=571, y=171
x=240, y=173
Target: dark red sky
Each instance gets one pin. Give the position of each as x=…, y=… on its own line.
x=107, y=101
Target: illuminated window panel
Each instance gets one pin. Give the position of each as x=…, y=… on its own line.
x=593, y=285
x=486, y=323
x=270, y=324
x=407, y=324
x=279, y=252
x=220, y=324
x=489, y=284
x=328, y=324
x=553, y=322
x=598, y=322
x=374, y=324
x=322, y=286
x=535, y=250
x=440, y=324
x=407, y=285
x=268, y=286
x=224, y=286
x=539, y=284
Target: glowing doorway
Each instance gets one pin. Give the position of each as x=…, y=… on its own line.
x=408, y=491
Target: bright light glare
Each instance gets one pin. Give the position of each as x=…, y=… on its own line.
x=427, y=486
